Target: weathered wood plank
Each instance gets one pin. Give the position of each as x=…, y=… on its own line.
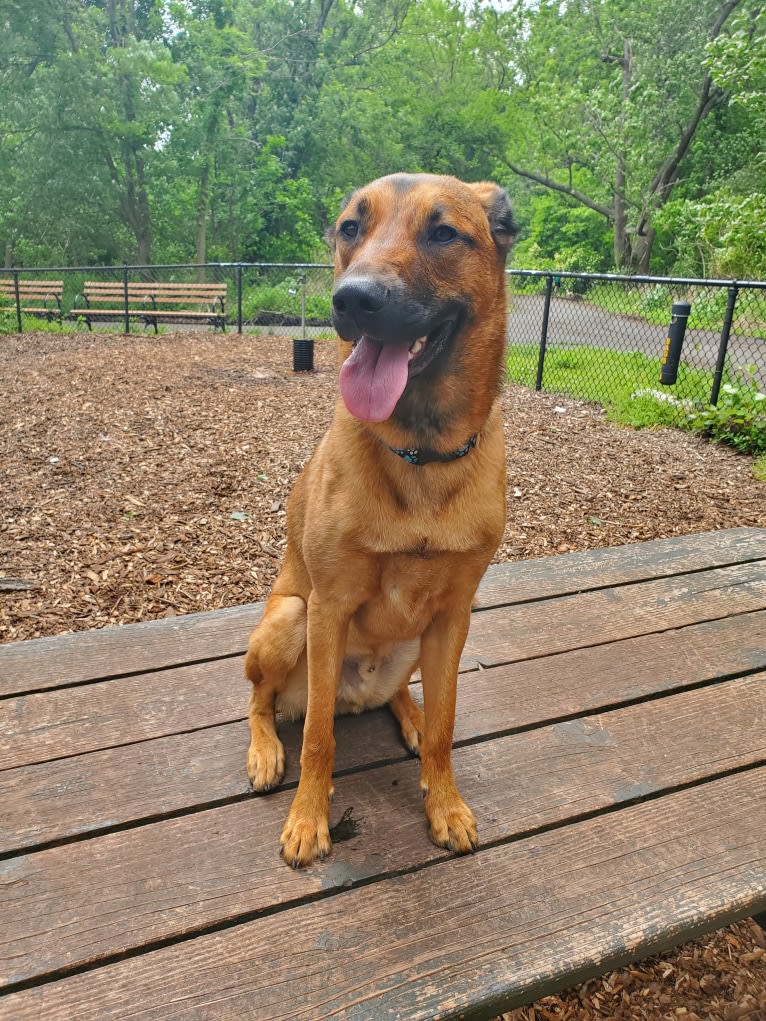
x=566, y=573
x=71, y=796
x=42, y=663
x=55, y=723
x=69, y=905
x=83, y=656
x=513, y=633
x=426, y=945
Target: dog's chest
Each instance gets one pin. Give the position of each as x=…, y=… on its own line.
x=412, y=588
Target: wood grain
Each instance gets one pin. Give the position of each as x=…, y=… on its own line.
x=177, y=772
x=53, y=724
x=513, y=633
x=567, y=573
x=75, y=903
x=70, y=659
x=498, y=928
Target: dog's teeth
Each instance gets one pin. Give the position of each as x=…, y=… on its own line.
x=417, y=346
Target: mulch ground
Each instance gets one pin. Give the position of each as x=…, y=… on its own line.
x=146, y=477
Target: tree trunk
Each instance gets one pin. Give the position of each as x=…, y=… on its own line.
x=622, y=252
x=642, y=251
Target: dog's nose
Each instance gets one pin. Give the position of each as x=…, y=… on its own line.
x=360, y=298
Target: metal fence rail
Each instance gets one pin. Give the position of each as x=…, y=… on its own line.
x=595, y=336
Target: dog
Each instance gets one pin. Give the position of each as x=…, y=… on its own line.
x=397, y=514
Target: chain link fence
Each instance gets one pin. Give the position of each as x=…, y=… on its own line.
x=598, y=337
x=605, y=338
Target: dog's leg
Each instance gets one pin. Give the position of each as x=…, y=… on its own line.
x=274, y=648
x=306, y=834
x=452, y=823
x=410, y=717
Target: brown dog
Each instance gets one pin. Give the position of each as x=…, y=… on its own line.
x=397, y=514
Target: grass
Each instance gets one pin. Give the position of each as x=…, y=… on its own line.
x=611, y=378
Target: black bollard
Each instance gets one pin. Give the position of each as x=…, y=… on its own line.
x=679, y=314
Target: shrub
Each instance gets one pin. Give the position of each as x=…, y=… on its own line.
x=738, y=419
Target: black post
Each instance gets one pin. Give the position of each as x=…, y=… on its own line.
x=18, y=300
x=125, y=295
x=239, y=297
x=544, y=332
x=723, y=347
x=679, y=315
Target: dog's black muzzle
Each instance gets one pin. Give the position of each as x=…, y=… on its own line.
x=380, y=309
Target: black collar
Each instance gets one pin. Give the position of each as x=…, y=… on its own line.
x=423, y=455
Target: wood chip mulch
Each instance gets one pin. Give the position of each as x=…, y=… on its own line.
x=146, y=477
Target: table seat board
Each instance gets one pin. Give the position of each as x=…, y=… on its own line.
x=45, y=725
x=609, y=737
x=516, y=920
x=132, y=888
x=114, y=651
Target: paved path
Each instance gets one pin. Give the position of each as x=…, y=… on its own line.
x=573, y=323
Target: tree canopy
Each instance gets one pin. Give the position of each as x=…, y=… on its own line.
x=629, y=135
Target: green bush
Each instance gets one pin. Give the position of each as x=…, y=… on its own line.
x=738, y=419
x=284, y=298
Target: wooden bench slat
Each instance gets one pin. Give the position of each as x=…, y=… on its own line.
x=507, y=635
x=114, y=313
x=143, y=297
x=489, y=702
x=92, y=716
x=34, y=290
x=147, y=285
x=567, y=573
x=615, y=887
x=84, y=901
x=49, y=662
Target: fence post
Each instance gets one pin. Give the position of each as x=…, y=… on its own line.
x=238, y=276
x=723, y=347
x=18, y=300
x=125, y=296
x=544, y=332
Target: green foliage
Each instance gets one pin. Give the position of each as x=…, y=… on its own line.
x=194, y=130
x=626, y=385
x=720, y=235
x=284, y=298
x=653, y=303
x=738, y=419
x=563, y=237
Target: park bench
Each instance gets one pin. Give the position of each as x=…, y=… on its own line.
x=151, y=302
x=34, y=297
x=609, y=738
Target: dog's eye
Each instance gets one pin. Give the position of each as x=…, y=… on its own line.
x=349, y=228
x=443, y=234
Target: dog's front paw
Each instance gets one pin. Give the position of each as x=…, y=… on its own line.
x=452, y=824
x=265, y=763
x=306, y=837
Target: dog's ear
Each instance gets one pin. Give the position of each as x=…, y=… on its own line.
x=497, y=206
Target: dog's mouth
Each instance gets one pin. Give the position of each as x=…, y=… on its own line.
x=422, y=351
x=374, y=376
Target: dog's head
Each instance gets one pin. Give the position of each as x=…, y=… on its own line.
x=419, y=274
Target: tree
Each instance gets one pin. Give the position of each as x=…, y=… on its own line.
x=607, y=100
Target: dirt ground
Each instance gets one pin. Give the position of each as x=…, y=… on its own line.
x=145, y=477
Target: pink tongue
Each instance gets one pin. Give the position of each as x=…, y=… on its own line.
x=373, y=378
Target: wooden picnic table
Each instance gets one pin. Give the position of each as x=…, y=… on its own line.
x=610, y=739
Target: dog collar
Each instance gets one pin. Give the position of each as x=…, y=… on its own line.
x=423, y=455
